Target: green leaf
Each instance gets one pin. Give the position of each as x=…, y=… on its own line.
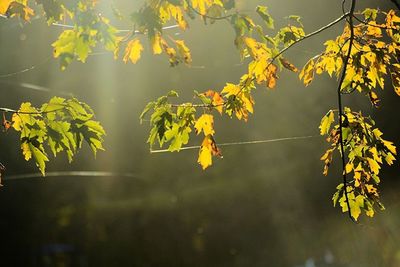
x=262, y=11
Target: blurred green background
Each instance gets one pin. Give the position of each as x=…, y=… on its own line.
x=261, y=205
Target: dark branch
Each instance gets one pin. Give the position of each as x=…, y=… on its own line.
x=340, y=107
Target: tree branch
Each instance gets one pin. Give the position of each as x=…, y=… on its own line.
x=340, y=107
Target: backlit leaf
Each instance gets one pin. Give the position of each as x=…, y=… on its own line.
x=133, y=51
x=205, y=124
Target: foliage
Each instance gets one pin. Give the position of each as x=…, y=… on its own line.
x=362, y=58
x=61, y=124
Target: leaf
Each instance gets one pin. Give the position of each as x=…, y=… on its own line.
x=307, y=73
x=288, y=65
x=262, y=11
x=201, y=5
x=40, y=158
x=326, y=122
x=205, y=124
x=183, y=51
x=208, y=149
x=19, y=9
x=156, y=43
x=4, y=4
x=217, y=100
x=133, y=51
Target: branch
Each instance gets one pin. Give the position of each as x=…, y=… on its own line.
x=9, y=110
x=340, y=107
x=309, y=35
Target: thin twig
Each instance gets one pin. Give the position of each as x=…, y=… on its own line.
x=9, y=110
x=310, y=35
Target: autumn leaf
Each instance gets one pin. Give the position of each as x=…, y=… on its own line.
x=216, y=100
x=133, y=51
x=201, y=5
x=307, y=73
x=4, y=4
x=156, y=43
x=208, y=149
x=205, y=124
x=183, y=51
x=21, y=10
x=326, y=122
x=288, y=65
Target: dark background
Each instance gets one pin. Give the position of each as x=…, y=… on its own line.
x=262, y=205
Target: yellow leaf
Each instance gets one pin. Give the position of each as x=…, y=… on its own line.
x=26, y=151
x=156, y=43
x=373, y=165
x=390, y=158
x=375, y=154
x=307, y=73
x=16, y=122
x=349, y=167
x=183, y=51
x=326, y=122
x=371, y=189
x=4, y=4
x=389, y=145
x=133, y=51
x=177, y=13
x=201, y=5
x=208, y=149
x=257, y=50
x=206, y=124
x=230, y=89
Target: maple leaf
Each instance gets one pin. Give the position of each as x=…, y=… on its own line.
x=216, y=100
x=133, y=51
x=208, y=149
x=206, y=124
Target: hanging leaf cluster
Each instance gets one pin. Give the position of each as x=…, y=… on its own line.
x=61, y=125
x=366, y=151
